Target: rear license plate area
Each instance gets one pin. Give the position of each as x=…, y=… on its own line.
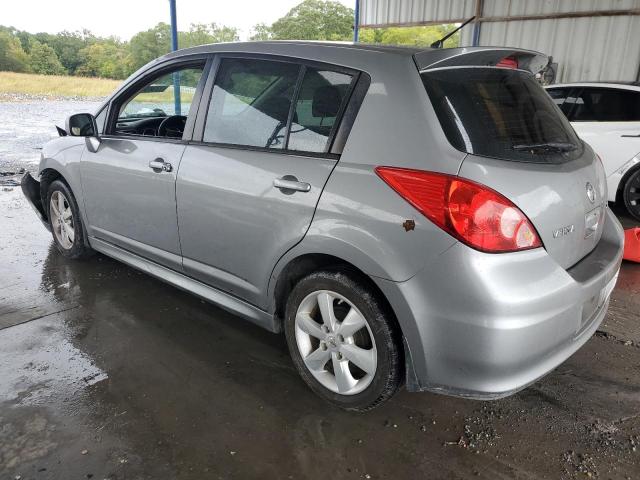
x=596, y=302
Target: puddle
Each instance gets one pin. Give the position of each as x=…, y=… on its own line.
x=46, y=365
x=27, y=126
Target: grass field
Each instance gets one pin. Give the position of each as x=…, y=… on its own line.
x=55, y=86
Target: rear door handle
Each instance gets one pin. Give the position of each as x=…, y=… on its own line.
x=289, y=184
x=630, y=136
x=160, y=164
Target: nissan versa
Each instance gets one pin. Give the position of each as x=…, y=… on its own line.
x=426, y=217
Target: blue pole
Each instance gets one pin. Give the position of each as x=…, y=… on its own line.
x=475, y=39
x=174, y=47
x=476, y=34
x=356, y=22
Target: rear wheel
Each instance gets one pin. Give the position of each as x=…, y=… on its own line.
x=343, y=341
x=64, y=218
x=631, y=194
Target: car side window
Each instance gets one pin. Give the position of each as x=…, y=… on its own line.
x=564, y=98
x=559, y=96
x=250, y=102
x=606, y=105
x=160, y=107
x=100, y=119
x=321, y=98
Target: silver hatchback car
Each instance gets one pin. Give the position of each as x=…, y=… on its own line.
x=404, y=216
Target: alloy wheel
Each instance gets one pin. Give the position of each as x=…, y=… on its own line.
x=335, y=342
x=61, y=218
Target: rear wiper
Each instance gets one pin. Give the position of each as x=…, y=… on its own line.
x=550, y=146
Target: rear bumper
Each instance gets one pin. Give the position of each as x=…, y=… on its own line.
x=31, y=190
x=485, y=326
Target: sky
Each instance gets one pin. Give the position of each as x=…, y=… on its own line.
x=124, y=18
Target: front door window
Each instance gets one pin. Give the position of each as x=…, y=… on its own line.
x=160, y=107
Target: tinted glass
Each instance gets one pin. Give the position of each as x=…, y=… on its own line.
x=250, y=103
x=498, y=113
x=318, y=105
x=606, y=105
x=559, y=96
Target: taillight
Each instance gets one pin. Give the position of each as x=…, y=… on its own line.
x=508, y=62
x=471, y=212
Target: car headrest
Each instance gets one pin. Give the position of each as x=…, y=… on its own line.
x=277, y=108
x=326, y=102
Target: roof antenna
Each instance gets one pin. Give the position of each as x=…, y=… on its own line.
x=440, y=43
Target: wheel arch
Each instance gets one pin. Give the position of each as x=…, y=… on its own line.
x=307, y=263
x=304, y=264
x=47, y=177
x=50, y=174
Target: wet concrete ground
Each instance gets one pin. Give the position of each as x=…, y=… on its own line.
x=106, y=373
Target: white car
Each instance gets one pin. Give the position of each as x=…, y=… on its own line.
x=607, y=117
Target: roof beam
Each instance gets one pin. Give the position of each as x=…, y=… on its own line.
x=515, y=18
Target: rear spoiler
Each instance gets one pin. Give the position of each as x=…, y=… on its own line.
x=479, y=56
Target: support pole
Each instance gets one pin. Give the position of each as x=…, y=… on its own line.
x=477, y=25
x=174, y=47
x=356, y=22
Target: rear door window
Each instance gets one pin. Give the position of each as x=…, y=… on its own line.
x=500, y=113
x=250, y=102
x=322, y=96
x=606, y=105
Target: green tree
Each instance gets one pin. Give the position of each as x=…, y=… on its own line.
x=314, y=20
x=201, y=34
x=410, y=36
x=43, y=59
x=261, y=31
x=104, y=58
x=67, y=46
x=12, y=57
x=150, y=44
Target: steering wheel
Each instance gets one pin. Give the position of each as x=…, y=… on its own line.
x=172, y=126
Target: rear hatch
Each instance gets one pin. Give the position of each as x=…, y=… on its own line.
x=520, y=144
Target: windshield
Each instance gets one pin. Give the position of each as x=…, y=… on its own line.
x=500, y=113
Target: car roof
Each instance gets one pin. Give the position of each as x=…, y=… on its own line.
x=282, y=46
x=359, y=56
x=423, y=57
x=600, y=84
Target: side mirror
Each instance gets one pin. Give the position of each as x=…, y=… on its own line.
x=81, y=125
x=84, y=125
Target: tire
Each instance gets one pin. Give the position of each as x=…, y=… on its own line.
x=369, y=336
x=631, y=194
x=65, y=221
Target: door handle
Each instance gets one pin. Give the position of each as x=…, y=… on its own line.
x=160, y=164
x=630, y=136
x=290, y=184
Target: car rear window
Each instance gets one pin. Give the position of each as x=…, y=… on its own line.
x=500, y=113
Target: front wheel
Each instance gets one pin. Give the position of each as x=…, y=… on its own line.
x=343, y=340
x=631, y=194
x=64, y=218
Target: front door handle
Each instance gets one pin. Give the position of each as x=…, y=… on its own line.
x=160, y=164
x=630, y=136
x=290, y=184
